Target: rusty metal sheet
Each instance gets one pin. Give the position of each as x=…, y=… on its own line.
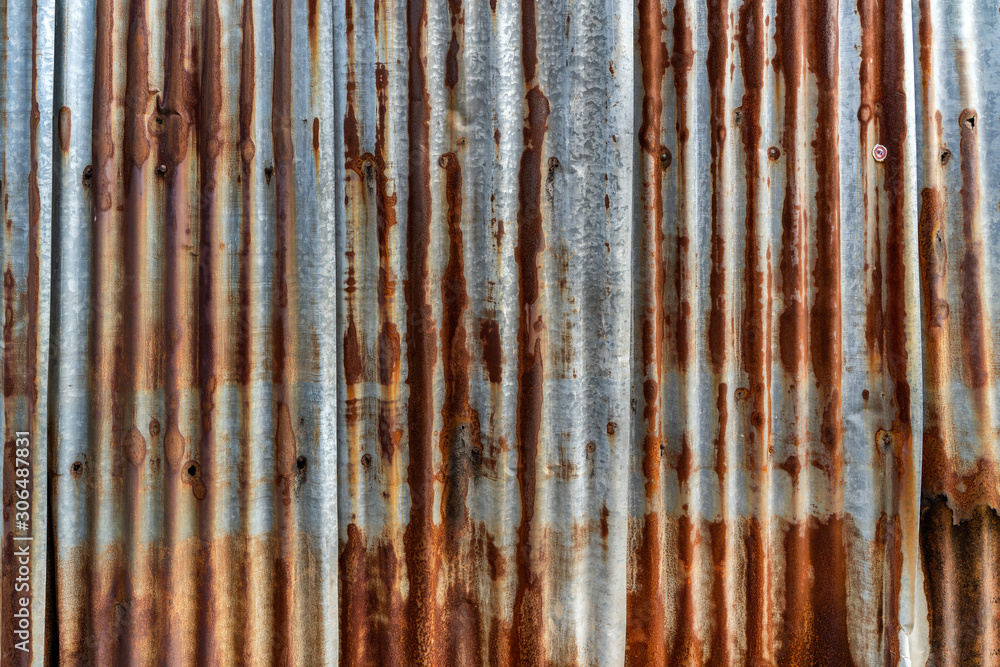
x=26, y=169
x=505, y=333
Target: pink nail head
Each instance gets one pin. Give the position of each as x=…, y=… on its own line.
x=879, y=152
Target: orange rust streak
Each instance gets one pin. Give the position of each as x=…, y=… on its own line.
x=645, y=642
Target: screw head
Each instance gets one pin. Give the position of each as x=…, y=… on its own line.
x=880, y=152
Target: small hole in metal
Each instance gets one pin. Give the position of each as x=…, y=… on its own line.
x=300, y=463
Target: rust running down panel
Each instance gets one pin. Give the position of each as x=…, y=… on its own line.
x=435, y=332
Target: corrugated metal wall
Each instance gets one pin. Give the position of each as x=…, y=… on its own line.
x=509, y=333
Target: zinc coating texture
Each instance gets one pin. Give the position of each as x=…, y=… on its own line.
x=566, y=333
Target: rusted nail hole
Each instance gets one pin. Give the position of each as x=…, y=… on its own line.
x=612, y=428
x=88, y=171
x=300, y=463
x=553, y=163
x=665, y=158
x=970, y=121
x=161, y=170
x=268, y=171
x=737, y=117
x=76, y=469
x=192, y=470
x=742, y=394
x=462, y=141
x=945, y=157
x=154, y=427
x=773, y=152
x=366, y=460
x=159, y=120
x=443, y=161
x=591, y=447
x=884, y=439
x=865, y=394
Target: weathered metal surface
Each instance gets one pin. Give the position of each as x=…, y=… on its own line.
x=430, y=332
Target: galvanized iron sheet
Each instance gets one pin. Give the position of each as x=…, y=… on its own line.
x=509, y=332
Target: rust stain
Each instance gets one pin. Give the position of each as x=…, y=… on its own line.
x=716, y=64
x=247, y=150
x=526, y=647
x=65, y=127
x=756, y=336
x=489, y=334
x=420, y=620
x=792, y=320
x=974, y=335
x=815, y=616
x=682, y=61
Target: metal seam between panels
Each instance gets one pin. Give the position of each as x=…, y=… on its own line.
x=409, y=332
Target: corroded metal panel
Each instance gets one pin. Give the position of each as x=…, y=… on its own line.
x=502, y=332
x=26, y=133
x=957, y=107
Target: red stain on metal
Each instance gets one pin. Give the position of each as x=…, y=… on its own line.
x=284, y=342
x=248, y=149
x=644, y=633
x=756, y=352
x=460, y=432
x=420, y=541
x=974, y=347
x=682, y=60
x=65, y=127
x=815, y=616
x=528, y=622
x=717, y=66
x=792, y=321
x=489, y=334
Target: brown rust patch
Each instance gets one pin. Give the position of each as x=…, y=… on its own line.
x=814, y=629
x=717, y=65
x=958, y=555
x=645, y=639
x=370, y=602
x=191, y=475
x=135, y=447
x=247, y=92
x=421, y=613
x=489, y=334
x=974, y=334
x=788, y=60
x=460, y=423
x=527, y=633
x=682, y=60
x=65, y=128
x=353, y=363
